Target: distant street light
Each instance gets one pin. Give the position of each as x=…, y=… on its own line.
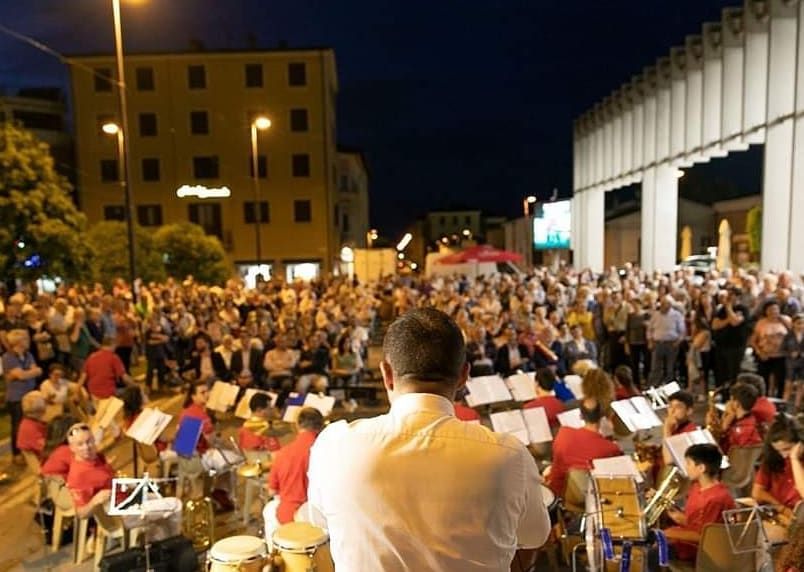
x=526, y=202
x=260, y=123
x=371, y=236
x=404, y=242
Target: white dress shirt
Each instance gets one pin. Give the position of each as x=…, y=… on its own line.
x=417, y=489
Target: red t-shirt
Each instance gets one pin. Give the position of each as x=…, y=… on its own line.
x=103, y=368
x=687, y=426
x=87, y=478
x=703, y=507
x=764, y=411
x=32, y=436
x=58, y=463
x=207, y=428
x=465, y=413
x=780, y=485
x=742, y=433
x=552, y=407
x=288, y=476
x=248, y=440
x=574, y=449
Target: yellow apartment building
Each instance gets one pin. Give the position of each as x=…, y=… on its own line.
x=190, y=117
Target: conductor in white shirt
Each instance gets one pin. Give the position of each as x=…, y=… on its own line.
x=417, y=489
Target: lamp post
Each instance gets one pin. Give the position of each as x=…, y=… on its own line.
x=526, y=202
x=260, y=123
x=122, y=143
x=371, y=236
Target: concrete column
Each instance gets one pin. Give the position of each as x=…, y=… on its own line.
x=778, y=164
x=733, y=27
x=796, y=256
x=599, y=143
x=594, y=235
x=637, y=140
x=648, y=213
x=712, y=88
x=678, y=101
x=576, y=240
x=755, y=84
x=693, y=133
x=628, y=130
x=617, y=142
x=664, y=83
x=659, y=218
x=608, y=140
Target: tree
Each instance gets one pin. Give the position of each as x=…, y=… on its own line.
x=753, y=226
x=187, y=250
x=109, y=243
x=41, y=230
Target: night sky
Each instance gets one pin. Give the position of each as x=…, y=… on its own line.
x=456, y=103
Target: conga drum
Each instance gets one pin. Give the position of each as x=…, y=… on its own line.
x=303, y=548
x=237, y=554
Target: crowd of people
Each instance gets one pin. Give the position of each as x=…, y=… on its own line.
x=622, y=331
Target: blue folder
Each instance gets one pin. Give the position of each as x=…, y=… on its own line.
x=187, y=436
x=295, y=398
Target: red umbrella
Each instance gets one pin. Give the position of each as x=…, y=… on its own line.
x=480, y=253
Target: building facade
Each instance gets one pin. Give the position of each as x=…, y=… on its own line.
x=190, y=119
x=352, y=203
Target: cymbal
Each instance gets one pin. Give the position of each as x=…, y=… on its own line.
x=250, y=470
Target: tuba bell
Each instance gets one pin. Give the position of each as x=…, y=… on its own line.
x=198, y=522
x=663, y=497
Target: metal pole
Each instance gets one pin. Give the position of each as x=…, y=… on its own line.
x=123, y=144
x=256, y=175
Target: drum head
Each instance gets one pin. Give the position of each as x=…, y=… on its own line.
x=237, y=548
x=299, y=536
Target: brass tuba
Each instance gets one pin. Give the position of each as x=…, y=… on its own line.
x=663, y=497
x=198, y=522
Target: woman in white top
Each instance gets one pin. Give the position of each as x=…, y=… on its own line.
x=59, y=392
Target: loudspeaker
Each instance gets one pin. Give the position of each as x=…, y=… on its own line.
x=174, y=554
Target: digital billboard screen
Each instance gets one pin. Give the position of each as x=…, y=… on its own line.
x=551, y=225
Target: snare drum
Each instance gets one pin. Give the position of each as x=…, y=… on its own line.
x=303, y=548
x=237, y=554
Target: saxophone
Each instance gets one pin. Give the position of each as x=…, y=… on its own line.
x=713, y=419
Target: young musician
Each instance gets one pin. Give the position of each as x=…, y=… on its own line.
x=706, y=501
x=739, y=424
x=774, y=483
x=252, y=435
x=679, y=410
x=576, y=448
x=764, y=410
x=797, y=462
x=545, y=383
x=624, y=387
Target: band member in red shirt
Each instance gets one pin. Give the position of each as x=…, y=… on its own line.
x=90, y=476
x=252, y=435
x=575, y=448
x=102, y=370
x=706, y=501
x=287, y=480
x=739, y=425
x=764, y=410
x=624, y=387
x=679, y=409
x=32, y=433
x=545, y=382
x=774, y=483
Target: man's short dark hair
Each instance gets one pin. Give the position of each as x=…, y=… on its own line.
x=757, y=381
x=591, y=412
x=684, y=397
x=425, y=345
x=546, y=378
x=310, y=419
x=745, y=394
x=706, y=454
x=258, y=401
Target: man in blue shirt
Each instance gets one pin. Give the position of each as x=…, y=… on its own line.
x=666, y=331
x=21, y=373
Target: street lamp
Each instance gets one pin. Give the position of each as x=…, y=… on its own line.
x=371, y=236
x=526, y=202
x=121, y=131
x=259, y=123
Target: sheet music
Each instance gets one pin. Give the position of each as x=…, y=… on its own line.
x=291, y=413
x=486, y=389
x=149, y=426
x=243, y=410
x=622, y=465
x=511, y=422
x=636, y=413
x=222, y=396
x=538, y=427
x=669, y=389
x=677, y=445
x=107, y=411
x=574, y=383
x=571, y=418
x=521, y=386
x=324, y=403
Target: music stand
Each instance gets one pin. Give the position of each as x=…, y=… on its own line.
x=738, y=522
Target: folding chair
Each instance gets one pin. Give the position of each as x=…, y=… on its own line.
x=740, y=474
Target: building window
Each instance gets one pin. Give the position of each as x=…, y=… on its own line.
x=345, y=223
x=302, y=211
x=249, y=212
x=149, y=215
x=207, y=216
x=109, y=171
x=344, y=186
x=199, y=123
x=298, y=120
x=262, y=166
x=301, y=165
x=468, y=220
x=114, y=212
x=103, y=79
x=145, y=79
x=454, y=220
x=297, y=74
x=205, y=167
x=442, y=221
x=196, y=77
x=253, y=75
x=148, y=125
x=150, y=169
